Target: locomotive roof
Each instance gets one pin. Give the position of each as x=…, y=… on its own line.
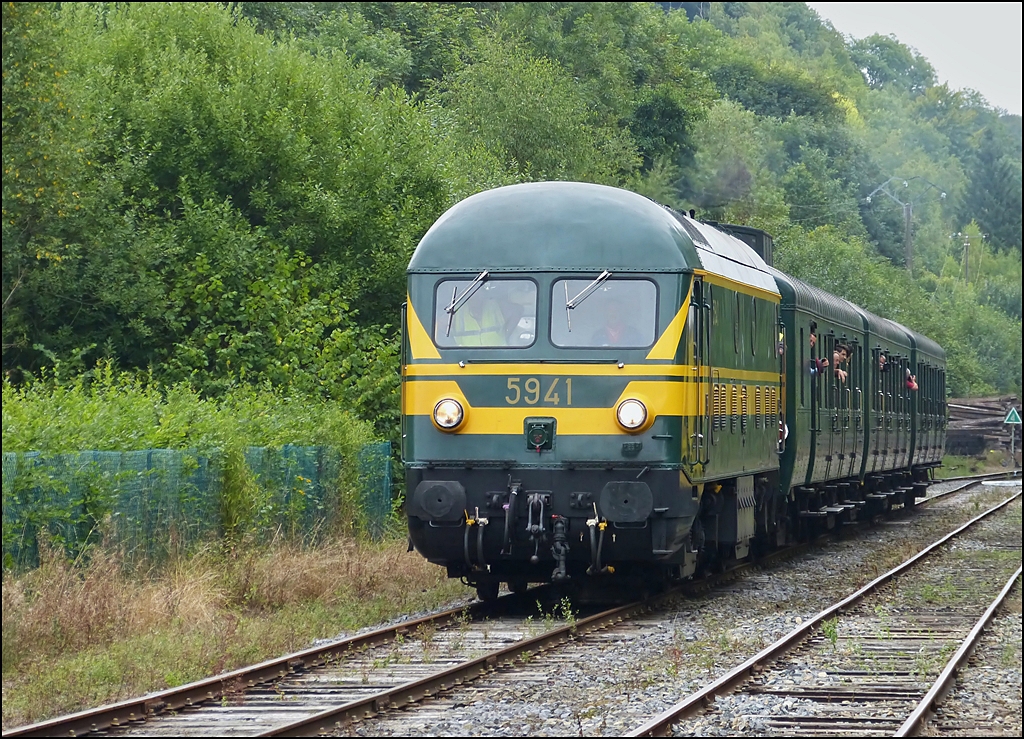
x=575, y=226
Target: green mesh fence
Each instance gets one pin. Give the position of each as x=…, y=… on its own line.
x=294, y=481
x=156, y=501
x=375, y=485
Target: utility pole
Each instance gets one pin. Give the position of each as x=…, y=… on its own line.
x=967, y=260
x=886, y=188
x=966, y=236
x=908, y=247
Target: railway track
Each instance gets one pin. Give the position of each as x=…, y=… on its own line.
x=325, y=688
x=877, y=662
x=1012, y=474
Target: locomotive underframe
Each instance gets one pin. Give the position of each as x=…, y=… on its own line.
x=542, y=524
x=525, y=525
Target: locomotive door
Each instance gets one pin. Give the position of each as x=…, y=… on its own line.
x=698, y=414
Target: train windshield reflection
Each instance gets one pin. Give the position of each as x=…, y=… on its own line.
x=618, y=313
x=485, y=312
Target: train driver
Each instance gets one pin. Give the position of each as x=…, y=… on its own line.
x=480, y=322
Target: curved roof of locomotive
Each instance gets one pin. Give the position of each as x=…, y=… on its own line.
x=542, y=226
x=576, y=226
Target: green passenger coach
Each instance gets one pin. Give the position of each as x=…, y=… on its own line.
x=593, y=383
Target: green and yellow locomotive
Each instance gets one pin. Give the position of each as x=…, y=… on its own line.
x=595, y=383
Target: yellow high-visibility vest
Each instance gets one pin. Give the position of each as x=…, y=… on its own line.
x=489, y=330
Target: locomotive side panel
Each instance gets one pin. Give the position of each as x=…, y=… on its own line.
x=745, y=392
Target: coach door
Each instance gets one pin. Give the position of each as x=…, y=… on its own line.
x=842, y=417
x=903, y=401
x=829, y=418
x=885, y=396
x=856, y=413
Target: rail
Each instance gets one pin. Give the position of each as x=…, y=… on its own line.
x=662, y=724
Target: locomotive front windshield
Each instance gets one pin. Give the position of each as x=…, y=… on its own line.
x=484, y=312
x=603, y=313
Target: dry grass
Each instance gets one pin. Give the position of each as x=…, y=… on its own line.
x=79, y=633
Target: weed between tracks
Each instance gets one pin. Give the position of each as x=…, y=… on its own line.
x=77, y=635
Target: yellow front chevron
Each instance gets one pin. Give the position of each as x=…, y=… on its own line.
x=419, y=340
x=666, y=346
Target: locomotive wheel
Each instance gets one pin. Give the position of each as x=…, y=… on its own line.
x=487, y=591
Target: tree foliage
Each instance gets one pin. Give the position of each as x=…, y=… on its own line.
x=226, y=194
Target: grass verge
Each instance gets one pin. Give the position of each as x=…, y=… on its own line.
x=991, y=461
x=76, y=635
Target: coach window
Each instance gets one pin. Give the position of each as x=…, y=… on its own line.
x=933, y=376
x=887, y=378
x=943, y=404
x=904, y=392
x=485, y=312
x=873, y=385
x=617, y=313
x=858, y=389
x=881, y=374
x=924, y=386
x=829, y=379
x=842, y=388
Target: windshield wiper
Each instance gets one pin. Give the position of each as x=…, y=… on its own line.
x=460, y=300
x=582, y=295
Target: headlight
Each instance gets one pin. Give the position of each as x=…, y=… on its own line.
x=448, y=413
x=631, y=414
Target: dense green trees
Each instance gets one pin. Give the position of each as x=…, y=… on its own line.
x=228, y=194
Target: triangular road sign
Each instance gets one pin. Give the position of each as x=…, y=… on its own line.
x=1013, y=416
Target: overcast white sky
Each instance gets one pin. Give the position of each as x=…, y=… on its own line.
x=975, y=45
